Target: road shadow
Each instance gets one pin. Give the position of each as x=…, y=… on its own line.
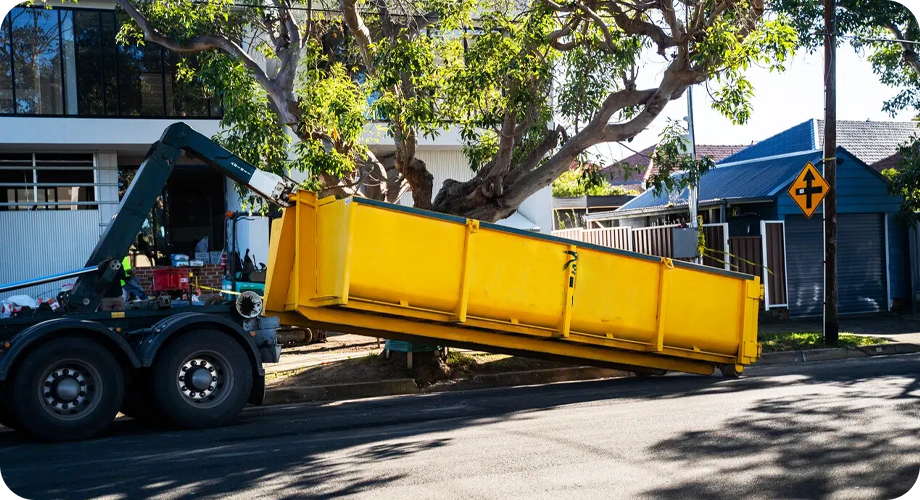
x=805, y=447
x=280, y=452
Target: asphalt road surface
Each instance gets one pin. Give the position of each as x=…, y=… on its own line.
x=840, y=430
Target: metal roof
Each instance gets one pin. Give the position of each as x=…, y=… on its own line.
x=751, y=180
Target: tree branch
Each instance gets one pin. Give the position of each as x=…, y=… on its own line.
x=359, y=29
x=908, y=55
x=636, y=26
x=197, y=44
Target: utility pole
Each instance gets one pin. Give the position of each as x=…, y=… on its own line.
x=831, y=326
x=693, y=195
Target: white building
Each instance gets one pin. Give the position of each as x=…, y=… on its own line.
x=78, y=113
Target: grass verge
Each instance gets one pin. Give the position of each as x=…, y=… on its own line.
x=800, y=341
x=373, y=368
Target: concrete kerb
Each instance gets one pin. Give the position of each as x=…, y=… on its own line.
x=304, y=394
x=778, y=358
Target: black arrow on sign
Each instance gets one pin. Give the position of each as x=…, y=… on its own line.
x=809, y=190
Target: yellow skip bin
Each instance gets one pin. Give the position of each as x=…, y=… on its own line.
x=390, y=271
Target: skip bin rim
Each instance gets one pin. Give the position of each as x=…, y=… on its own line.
x=547, y=237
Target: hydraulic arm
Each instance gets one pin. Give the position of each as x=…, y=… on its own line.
x=148, y=183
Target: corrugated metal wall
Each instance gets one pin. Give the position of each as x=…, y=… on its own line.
x=715, y=241
x=42, y=242
x=749, y=253
x=861, y=264
x=776, y=254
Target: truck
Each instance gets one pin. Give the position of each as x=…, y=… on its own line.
x=360, y=266
x=66, y=373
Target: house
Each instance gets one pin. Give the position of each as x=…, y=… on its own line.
x=870, y=141
x=633, y=172
x=764, y=225
x=569, y=213
x=78, y=114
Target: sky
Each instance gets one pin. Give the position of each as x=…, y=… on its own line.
x=781, y=100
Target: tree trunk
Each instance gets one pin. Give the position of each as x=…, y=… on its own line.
x=421, y=183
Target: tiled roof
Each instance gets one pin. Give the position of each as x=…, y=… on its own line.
x=886, y=163
x=870, y=141
x=640, y=161
x=646, y=168
x=718, y=152
x=745, y=181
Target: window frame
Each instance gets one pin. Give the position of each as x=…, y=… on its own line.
x=34, y=187
x=65, y=84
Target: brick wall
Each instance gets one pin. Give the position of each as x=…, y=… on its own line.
x=209, y=275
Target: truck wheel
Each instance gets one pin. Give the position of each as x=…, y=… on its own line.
x=67, y=389
x=731, y=371
x=202, y=379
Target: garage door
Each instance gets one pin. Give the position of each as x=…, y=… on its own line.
x=860, y=264
x=804, y=266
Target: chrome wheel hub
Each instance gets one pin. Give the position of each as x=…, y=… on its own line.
x=205, y=379
x=69, y=389
x=198, y=379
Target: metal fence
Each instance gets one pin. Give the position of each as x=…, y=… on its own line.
x=657, y=240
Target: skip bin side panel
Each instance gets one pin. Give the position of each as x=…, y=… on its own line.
x=616, y=295
x=331, y=244
x=400, y=258
x=517, y=279
x=705, y=311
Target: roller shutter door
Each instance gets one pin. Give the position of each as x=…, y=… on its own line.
x=860, y=264
x=804, y=265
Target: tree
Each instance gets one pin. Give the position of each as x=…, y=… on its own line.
x=510, y=75
x=884, y=28
x=891, y=34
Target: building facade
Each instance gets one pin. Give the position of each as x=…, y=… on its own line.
x=79, y=111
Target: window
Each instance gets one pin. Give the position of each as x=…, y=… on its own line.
x=36, y=48
x=6, y=69
x=47, y=182
x=66, y=62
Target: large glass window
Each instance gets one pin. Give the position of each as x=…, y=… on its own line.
x=37, y=61
x=6, y=70
x=66, y=62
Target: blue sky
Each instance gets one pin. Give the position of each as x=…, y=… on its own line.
x=781, y=101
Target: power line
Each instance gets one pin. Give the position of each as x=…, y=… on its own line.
x=367, y=11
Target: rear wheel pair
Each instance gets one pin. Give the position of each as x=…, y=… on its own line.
x=72, y=388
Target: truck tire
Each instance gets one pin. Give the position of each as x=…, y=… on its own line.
x=731, y=371
x=67, y=389
x=202, y=379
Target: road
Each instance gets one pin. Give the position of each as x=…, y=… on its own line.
x=839, y=430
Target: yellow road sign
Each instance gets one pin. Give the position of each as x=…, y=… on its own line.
x=808, y=189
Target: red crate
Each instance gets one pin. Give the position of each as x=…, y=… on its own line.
x=170, y=279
